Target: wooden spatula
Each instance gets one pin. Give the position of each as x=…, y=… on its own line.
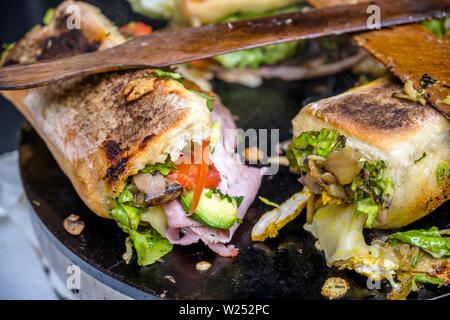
x=410, y=52
x=179, y=46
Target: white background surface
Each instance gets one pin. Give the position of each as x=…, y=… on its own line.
x=24, y=272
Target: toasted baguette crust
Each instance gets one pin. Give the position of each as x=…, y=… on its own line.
x=57, y=40
x=396, y=131
x=97, y=137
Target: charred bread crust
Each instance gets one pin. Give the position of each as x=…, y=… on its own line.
x=57, y=40
x=96, y=135
x=396, y=131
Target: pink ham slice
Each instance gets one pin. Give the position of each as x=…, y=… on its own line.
x=236, y=180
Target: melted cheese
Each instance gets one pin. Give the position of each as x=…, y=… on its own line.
x=339, y=231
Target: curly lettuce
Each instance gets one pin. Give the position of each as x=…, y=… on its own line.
x=253, y=58
x=149, y=244
x=313, y=142
x=369, y=188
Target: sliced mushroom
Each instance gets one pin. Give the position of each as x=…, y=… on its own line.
x=336, y=190
x=172, y=192
x=344, y=164
x=311, y=184
x=314, y=170
x=310, y=208
x=73, y=225
x=328, y=177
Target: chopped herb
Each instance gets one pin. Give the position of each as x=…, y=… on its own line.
x=423, y=156
x=239, y=200
x=7, y=47
x=158, y=73
x=319, y=114
x=225, y=196
x=416, y=259
x=425, y=279
x=209, y=193
x=239, y=220
x=209, y=100
x=443, y=172
x=120, y=66
x=48, y=16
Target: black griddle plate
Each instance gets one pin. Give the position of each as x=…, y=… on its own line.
x=271, y=270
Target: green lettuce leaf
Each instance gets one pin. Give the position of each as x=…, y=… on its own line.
x=127, y=215
x=430, y=241
x=439, y=26
x=368, y=189
x=167, y=74
x=209, y=100
x=443, y=172
x=368, y=207
x=256, y=57
x=313, y=142
x=125, y=196
x=149, y=245
x=163, y=168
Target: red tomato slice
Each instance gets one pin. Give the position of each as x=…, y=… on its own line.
x=136, y=29
x=197, y=176
x=200, y=181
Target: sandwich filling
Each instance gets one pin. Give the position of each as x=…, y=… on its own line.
x=336, y=174
x=347, y=193
x=202, y=195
